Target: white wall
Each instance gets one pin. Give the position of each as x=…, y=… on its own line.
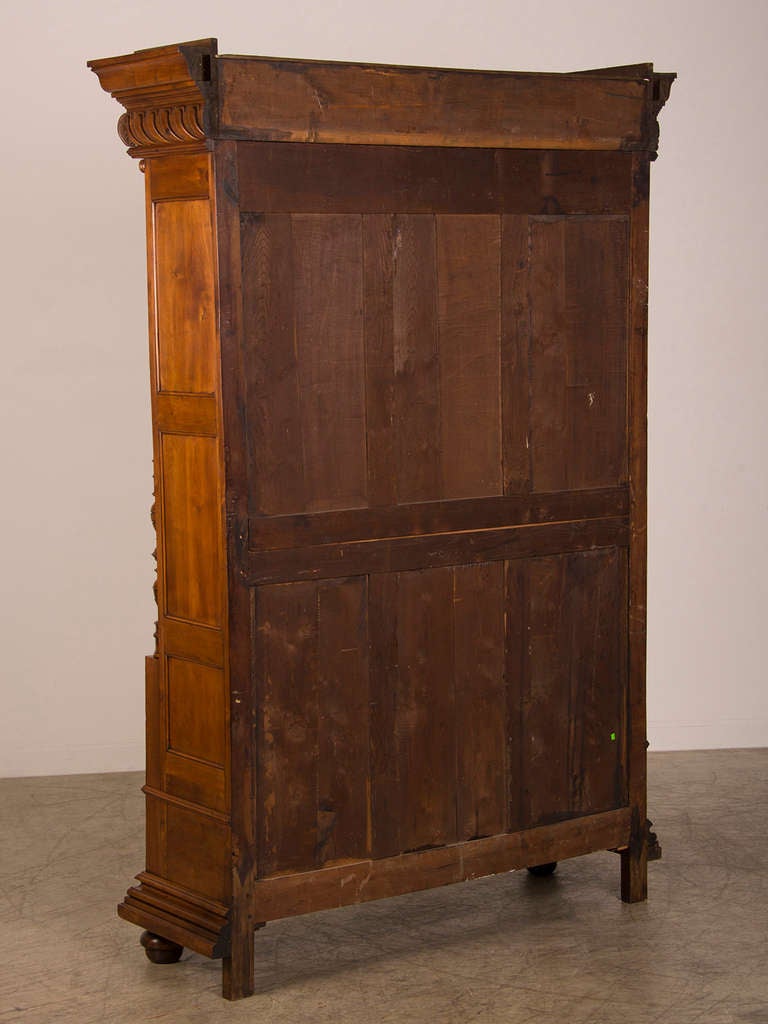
x=76, y=602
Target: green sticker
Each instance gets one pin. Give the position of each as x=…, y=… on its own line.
x=613, y=736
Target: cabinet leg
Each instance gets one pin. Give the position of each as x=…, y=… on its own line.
x=644, y=846
x=237, y=968
x=160, y=950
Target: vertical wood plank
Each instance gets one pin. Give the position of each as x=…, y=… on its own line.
x=286, y=666
x=478, y=639
x=426, y=714
x=343, y=720
x=515, y=354
x=634, y=870
x=385, y=781
x=517, y=678
x=578, y=292
x=549, y=341
x=468, y=278
x=328, y=259
x=378, y=261
x=596, y=291
x=276, y=457
x=574, y=718
x=417, y=384
x=548, y=711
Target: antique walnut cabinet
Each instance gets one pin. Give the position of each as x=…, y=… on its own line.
x=398, y=364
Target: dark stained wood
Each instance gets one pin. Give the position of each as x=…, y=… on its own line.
x=305, y=101
x=358, y=882
x=398, y=328
x=160, y=950
x=578, y=296
x=575, y=686
x=333, y=561
x=266, y=533
x=416, y=360
x=327, y=260
x=515, y=361
x=479, y=611
x=425, y=726
x=275, y=178
x=468, y=288
x=634, y=860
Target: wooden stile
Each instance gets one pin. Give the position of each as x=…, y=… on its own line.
x=398, y=325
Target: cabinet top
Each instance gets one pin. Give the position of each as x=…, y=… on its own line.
x=187, y=96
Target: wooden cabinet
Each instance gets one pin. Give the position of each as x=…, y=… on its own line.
x=398, y=351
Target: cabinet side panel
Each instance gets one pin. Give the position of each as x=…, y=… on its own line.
x=186, y=327
x=192, y=528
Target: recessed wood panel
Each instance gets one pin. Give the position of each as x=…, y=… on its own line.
x=468, y=284
x=196, y=710
x=573, y=686
x=191, y=524
x=184, y=296
x=302, y=286
x=311, y=664
x=197, y=852
x=578, y=368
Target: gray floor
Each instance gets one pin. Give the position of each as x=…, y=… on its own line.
x=508, y=948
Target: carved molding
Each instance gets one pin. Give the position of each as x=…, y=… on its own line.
x=169, y=126
x=167, y=93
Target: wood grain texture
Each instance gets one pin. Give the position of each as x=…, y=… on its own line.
x=186, y=323
x=304, y=101
x=192, y=560
x=275, y=178
x=578, y=295
x=196, y=701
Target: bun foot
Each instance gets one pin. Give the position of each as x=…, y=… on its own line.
x=160, y=950
x=542, y=870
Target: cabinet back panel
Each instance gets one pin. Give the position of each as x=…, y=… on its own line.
x=401, y=711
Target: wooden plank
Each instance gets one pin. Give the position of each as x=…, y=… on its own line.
x=305, y=101
x=634, y=871
x=515, y=354
x=196, y=710
x=465, y=547
x=327, y=260
x=275, y=468
x=469, y=281
x=384, y=770
x=180, y=177
x=517, y=690
x=358, y=882
x=397, y=179
x=268, y=533
x=343, y=825
x=578, y=288
x=192, y=527
x=479, y=680
x=576, y=685
x=197, y=782
x=378, y=307
x=286, y=671
x=184, y=290
x=186, y=414
x=189, y=640
x=241, y=776
x=208, y=871
x=417, y=384
x=426, y=712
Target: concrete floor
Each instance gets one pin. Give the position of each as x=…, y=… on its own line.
x=509, y=949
